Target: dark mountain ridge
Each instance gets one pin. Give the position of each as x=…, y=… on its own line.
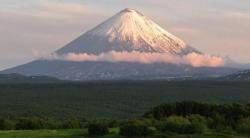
x=239, y=76
x=18, y=78
x=68, y=70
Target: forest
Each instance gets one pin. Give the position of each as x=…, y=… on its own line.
x=178, y=109
x=185, y=118
x=116, y=99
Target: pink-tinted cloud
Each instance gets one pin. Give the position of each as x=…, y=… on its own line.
x=193, y=59
x=199, y=60
x=55, y=9
x=134, y=56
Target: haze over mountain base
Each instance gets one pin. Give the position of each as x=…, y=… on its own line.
x=69, y=70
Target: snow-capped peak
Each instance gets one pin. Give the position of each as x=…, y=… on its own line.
x=129, y=30
x=128, y=10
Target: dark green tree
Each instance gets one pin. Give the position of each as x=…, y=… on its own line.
x=97, y=129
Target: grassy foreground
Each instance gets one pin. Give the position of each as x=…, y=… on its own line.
x=43, y=134
x=78, y=133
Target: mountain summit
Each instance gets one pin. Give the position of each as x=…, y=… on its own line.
x=129, y=30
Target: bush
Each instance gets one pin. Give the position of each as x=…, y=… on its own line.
x=198, y=123
x=181, y=125
x=174, y=124
x=244, y=126
x=6, y=124
x=219, y=123
x=149, y=121
x=97, y=129
x=110, y=123
x=31, y=123
x=135, y=129
x=72, y=123
x=196, y=118
x=195, y=128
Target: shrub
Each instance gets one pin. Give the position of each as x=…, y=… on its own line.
x=244, y=126
x=174, y=124
x=31, y=123
x=110, y=123
x=181, y=125
x=6, y=124
x=198, y=123
x=134, y=129
x=24, y=124
x=219, y=122
x=72, y=123
x=194, y=128
x=149, y=121
x=97, y=129
x=196, y=118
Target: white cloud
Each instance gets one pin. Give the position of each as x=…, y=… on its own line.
x=193, y=59
x=238, y=14
x=54, y=9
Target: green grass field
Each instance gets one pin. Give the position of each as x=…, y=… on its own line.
x=113, y=134
x=43, y=134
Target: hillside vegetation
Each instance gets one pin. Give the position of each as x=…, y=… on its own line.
x=112, y=99
x=175, y=120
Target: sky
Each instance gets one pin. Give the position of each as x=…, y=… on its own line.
x=217, y=27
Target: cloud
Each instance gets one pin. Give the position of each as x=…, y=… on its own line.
x=134, y=56
x=60, y=9
x=199, y=60
x=54, y=10
x=238, y=14
x=193, y=59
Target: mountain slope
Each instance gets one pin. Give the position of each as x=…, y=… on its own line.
x=239, y=76
x=68, y=70
x=17, y=78
x=129, y=30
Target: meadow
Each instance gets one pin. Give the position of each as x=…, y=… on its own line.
x=79, y=133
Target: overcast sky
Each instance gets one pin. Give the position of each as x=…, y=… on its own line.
x=220, y=27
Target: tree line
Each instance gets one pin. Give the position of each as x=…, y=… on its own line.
x=180, y=117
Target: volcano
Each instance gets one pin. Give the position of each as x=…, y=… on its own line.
x=129, y=31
